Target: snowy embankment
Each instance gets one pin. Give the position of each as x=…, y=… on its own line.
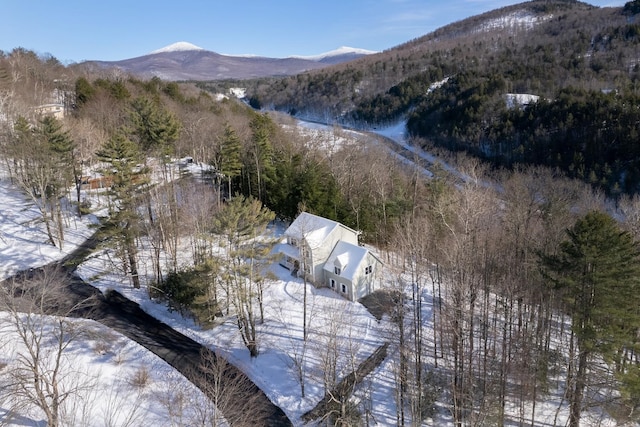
x=111, y=380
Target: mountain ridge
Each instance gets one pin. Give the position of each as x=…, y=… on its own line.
x=185, y=61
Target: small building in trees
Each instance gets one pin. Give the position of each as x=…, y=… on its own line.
x=55, y=110
x=329, y=255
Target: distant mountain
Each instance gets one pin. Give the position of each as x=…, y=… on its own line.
x=342, y=54
x=177, y=47
x=186, y=61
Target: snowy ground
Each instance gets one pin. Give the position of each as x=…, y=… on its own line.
x=333, y=322
x=23, y=243
x=120, y=383
x=103, y=358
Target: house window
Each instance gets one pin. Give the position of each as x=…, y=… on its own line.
x=368, y=269
x=333, y=284
x=343, y=288
x=294, y=242
x=337, y=270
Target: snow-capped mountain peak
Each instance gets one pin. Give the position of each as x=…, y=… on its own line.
x=346, y=49
x=177, y=47
x=343, y=50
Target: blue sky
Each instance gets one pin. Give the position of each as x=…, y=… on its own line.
x=78, y=30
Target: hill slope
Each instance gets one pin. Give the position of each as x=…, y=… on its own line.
x=474, y=44
x=455, y=87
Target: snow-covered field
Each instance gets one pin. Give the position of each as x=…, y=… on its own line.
x=334, y=323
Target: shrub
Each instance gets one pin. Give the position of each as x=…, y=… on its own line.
x=181, y=288
x=140, y=378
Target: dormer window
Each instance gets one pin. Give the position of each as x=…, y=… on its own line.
x=293, y=242
x=340, y=263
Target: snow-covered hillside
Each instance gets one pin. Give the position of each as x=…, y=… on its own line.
x=337, y=324
x=521, y=20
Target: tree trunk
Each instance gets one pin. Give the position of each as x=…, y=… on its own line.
x=578, y=390
x=133, y=262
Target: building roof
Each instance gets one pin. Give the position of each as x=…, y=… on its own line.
x=348, y=257
x=288, y=250
x=314, y=229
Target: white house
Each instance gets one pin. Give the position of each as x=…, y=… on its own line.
x=330, y=255
x=351, y=270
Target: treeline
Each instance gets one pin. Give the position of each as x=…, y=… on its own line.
x=532, y=283
x=589, y=135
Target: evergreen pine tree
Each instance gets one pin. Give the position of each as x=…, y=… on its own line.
x=127, y=179
x=261, y=167
x=84, y=91
x=229, y=162
x=240, y=222
x=155, y=128
x=59, y=147
x=597, y=271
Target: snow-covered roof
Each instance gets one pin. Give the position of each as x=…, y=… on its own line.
x=314, y=229
x=348, y=257
x=342, y=260
x=288, y=250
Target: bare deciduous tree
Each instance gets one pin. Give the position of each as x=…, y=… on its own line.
x=230, y=392
x=41, y=374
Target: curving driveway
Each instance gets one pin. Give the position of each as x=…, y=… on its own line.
x=239, y=399
x=252, y=406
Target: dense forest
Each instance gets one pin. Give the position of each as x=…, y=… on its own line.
x=536, y=282
x=580, y=61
